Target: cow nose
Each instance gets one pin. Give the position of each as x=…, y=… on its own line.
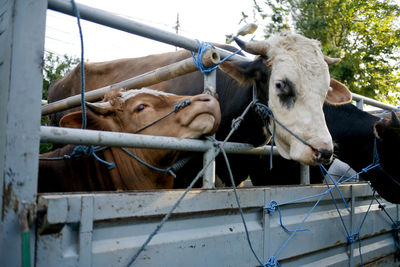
x=323, y=156
x=203, y=98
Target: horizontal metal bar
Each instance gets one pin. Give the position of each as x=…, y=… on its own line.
x=372, y=102
x=91, y=137
x=127, y=25
x=210, y=58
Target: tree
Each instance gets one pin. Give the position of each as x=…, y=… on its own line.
x=364, y=34
x=55, y=67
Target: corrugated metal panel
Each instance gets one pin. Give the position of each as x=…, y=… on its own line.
x=206, y=230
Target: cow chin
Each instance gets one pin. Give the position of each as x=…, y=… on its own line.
x=202, y=124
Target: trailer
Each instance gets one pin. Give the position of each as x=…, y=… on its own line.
x=312, y=226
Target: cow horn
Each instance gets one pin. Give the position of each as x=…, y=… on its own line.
x=100, y=107
x=331, y=60
x=395, y=120
x=255, y=48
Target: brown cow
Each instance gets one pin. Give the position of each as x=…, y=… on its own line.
x=128, y=111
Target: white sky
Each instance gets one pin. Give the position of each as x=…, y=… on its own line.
x=205, y=20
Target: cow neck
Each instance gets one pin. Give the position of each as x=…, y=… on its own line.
x=131, y=174
x=352, y=133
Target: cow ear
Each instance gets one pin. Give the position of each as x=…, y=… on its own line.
x=93, y=121
x=379, y=129
x=72, y=120
x=244, y=72
x=339, y=93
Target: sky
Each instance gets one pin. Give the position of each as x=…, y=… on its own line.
x=206, y=20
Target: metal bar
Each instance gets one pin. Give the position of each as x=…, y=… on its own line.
x=360, y=104
x=372, y=102
x=304, y=174
x=22, y=34
x=210, y=58
x=210, y=81
x=209, y=173
x=86, y=231
x=90, y=137
x=127, y=25
x=352, y=218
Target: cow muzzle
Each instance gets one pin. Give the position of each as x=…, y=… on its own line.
x=322, y=156
x=310, y=155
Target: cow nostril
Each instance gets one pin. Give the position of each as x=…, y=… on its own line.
x=325, y=153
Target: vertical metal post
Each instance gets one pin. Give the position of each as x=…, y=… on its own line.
x=360, y=104
x=86, y=231
x=351, y=246
x=22, y=32
x=304, y=174
x=210, y=84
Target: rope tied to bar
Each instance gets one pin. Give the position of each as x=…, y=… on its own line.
x=202, y=48
x=87, y=151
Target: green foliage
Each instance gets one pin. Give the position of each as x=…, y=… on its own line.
x=55, y=67
x=364, y=34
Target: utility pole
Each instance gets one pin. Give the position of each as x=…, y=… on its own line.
x=177, y=26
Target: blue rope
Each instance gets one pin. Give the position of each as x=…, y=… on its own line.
x=273, y=205
x=167, y=170
x=238, y=202
x=202, y=48
x=82, y=151
x=77, y=15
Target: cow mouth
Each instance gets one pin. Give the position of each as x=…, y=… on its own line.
x=303, y=154
x=204, y=123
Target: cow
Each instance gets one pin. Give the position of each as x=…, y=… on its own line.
x=291, y=76
x=128, y=111
x=354, y=133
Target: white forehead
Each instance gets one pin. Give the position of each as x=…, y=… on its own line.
x=132, y=93
x=305, y=53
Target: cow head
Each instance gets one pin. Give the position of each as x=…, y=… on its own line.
x=292, y=76
x=128, y=111
x=387, y=182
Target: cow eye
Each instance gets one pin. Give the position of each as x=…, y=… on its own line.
x=280, y=85
x=140, y=108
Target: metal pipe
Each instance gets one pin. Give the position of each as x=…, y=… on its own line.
x=304, y=174
x=372, y=102
x=127, y=25
x=210, y=58
x=90, y=137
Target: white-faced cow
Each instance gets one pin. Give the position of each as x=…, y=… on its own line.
x=354, y=133
x=292, y=78
x=128, y=112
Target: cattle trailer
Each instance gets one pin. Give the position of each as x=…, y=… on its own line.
x=108, y=228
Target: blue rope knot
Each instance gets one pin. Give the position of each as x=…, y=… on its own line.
x=203, y=47
x=271, y=262
x=353, y=237
x=81, y=151
x=182, y=105
x=87, y=151
x=263, y=111
x=271, y=207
